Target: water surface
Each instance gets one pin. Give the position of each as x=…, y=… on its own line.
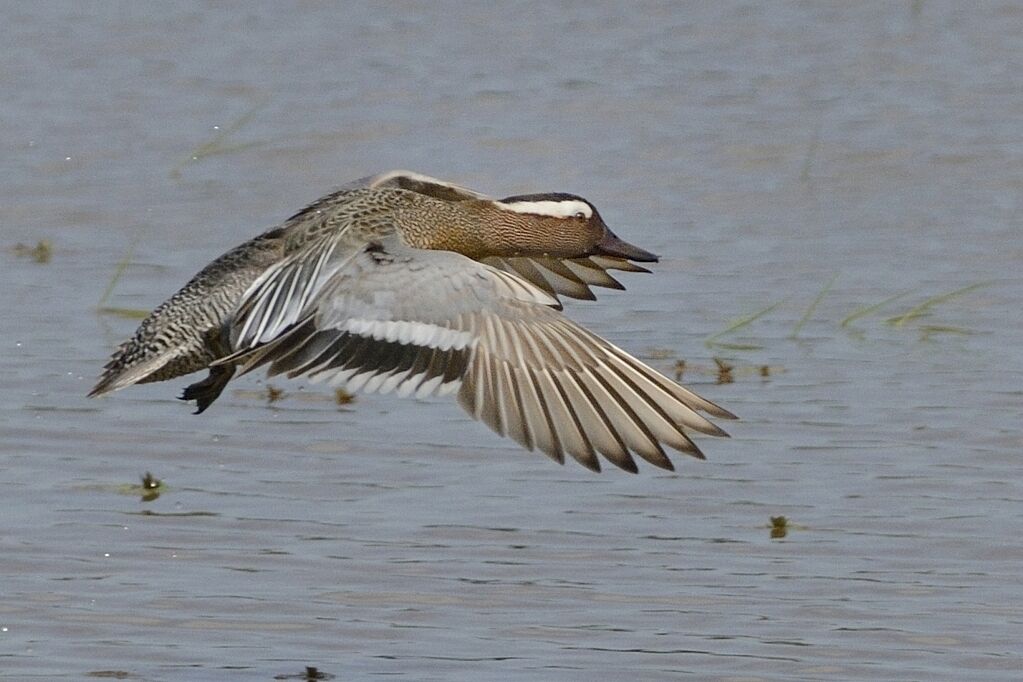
x=764, y=150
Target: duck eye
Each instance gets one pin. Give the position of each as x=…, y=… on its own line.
x=580, y=215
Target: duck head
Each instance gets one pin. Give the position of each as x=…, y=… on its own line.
x=553, y=224
x=556, y=224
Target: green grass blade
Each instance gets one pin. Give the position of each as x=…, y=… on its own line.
x=740, y=323
x=925, y=307
x=734, y=346
x=126, y=313
x=122, y=265
x=812, y=307
x=863, y=311
x=928, y=329
x=216, y=144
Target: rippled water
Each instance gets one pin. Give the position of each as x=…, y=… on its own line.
x=769, y=152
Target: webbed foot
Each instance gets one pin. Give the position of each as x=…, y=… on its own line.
x=209, y=389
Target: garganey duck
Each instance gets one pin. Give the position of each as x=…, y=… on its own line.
x=402, y=282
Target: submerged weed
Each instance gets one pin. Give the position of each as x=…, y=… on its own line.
x=343, y=397
x=42, y=252
x=779, y=527
x=680, y=369
x=151, y=487
x=724, y=371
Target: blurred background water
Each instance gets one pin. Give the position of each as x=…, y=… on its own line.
x=817, y=158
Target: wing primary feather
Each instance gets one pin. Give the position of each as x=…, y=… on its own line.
x=676, y=410
x=633, y=434
x=545, y=435
x=514, y=377
x=546, y=429
x=525, y=268
x=558, y=355
x=683, y=394
x=599, y=429
x=637, y=421
x=513, y=410
x=613, y=263
x=487, y=408
x=584, y=343
x=573, y=438
x=558, y=267
x=651, y=413
x=592, y=274
x=562, y=280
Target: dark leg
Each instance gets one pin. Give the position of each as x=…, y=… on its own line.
x=209, y=389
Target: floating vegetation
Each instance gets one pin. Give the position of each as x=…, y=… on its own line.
x=148, y=489
x=658, y=353
x=343, y=397
x=217, y=145
x=42, y=252
x=111, y=674
x=151, y=487
x=273, y=394
x=812, y=307
x=311, y=674
x=724, y=371
x=929, y=330
x=779, y=527
x=680, y=369
x=712, y=340
x=126, y=313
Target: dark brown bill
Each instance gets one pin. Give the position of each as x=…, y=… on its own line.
x=611, y=245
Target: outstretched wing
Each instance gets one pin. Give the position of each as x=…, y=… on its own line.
x=422, y=184
x=570, y=277
x=386, y=317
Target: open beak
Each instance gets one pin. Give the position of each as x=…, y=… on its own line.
x=611, y=245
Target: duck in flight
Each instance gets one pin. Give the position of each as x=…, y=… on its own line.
x=408, y=284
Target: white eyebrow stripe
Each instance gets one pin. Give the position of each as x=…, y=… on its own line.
x=555, y=209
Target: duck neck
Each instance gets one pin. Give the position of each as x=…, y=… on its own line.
x=465, y=227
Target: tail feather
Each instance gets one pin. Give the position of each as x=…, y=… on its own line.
x=119, y=373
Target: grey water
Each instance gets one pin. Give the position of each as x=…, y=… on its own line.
x=810, y=160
